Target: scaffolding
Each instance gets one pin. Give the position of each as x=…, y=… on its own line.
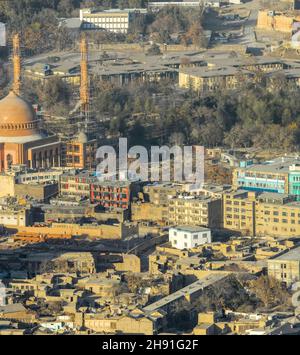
x=80, y=118
x=84, y=83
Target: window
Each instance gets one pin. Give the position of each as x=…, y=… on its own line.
x=195, y=236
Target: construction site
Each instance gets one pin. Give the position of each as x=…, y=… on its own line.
x=79, y=124
x=81, y=118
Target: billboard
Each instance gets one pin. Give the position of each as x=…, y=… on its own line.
x=2, y=35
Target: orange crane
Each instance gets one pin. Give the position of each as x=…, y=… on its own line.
x=84, y=84
x=16, y=64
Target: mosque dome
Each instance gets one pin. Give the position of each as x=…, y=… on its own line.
x=17, y=119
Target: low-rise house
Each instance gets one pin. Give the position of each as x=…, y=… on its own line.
x=188, y=237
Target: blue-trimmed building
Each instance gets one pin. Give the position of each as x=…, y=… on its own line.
x=281, y=175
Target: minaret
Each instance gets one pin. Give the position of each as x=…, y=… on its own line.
x=84, y=85
x=16, y=64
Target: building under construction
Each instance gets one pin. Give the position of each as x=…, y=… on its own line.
x=76, y=131
x=81, y=118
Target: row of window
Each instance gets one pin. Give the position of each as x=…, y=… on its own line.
x=285, y=214
x=105, y=19
x=235, y=203
x=277, y=220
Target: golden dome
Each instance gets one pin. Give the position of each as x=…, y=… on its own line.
x=17, y=117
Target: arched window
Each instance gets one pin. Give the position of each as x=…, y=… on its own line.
x=9, y=160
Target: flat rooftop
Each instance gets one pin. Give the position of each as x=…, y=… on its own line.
x=191, y=229
x=292, y=255
x=278, y=165
x=208, y=72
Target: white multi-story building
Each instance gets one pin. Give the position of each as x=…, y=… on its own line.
x=188, y=237
x=186, y=3
x=113, y=20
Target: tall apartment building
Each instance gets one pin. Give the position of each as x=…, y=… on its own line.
x=239, y=211
x=195, y=210
x=280, y=175
x=286, y=267
x=109, y=194
x=256, y=213
x=277, y=214
x=114, y=20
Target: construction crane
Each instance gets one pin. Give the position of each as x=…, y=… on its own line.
x=16, y=64
x=84, y=84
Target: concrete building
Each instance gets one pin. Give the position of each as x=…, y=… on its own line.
x=203, y=79
x=69, y=72
x=286, y=267
x=28, y=176
x=17, y=312
x=281, y=175
x=190, y=293
x=195, y=210
x=67, y=230
x=159, y=194
x=134, y=322
x=14, y=215
x=38, y=192
x=186, y=4
x=277, y=214
x=80, y=152
x=39, y=185
x=269, y=20
x=255, y=213
x=146, y=211
x=189, y=237
x=120, y=72
x=229, y=73
x=113, y=20
x=239, y=211
x=109, y=194
x=21, y=142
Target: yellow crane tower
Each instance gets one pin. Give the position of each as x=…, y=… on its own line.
x=84, y=84
x=16, y=64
